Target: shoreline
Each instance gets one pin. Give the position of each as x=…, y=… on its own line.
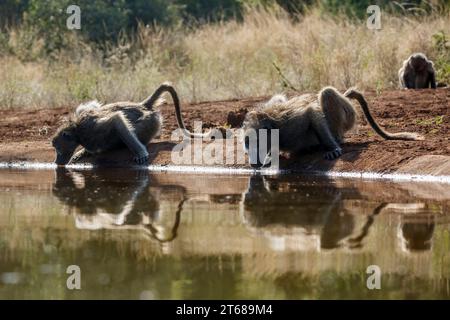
x=394, y=177
x=25, y=137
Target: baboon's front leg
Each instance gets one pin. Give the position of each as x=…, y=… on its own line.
x=326, y=138
x=410, y=82
x=432, y=80
x=126, y=133
x=79, y=155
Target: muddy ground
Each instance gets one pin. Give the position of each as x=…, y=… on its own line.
x=25, y=134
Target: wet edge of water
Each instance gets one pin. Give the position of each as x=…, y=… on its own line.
x=243, y=171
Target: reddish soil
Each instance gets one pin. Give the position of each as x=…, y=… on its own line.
x=26, y=134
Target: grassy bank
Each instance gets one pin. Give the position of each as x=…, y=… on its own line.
x=258, y=56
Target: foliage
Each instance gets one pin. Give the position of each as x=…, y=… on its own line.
x=208, y=49
x=441, y=44
x=104, y=20
x=204, y=11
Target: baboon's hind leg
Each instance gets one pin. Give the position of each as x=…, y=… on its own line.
x=320, y=126
x=432, y=80
x=130, y=139
x=331, y=101
x=338, y=112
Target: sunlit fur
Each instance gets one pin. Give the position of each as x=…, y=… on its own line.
x=100, y=128
x=91, y=105
x=314, y=120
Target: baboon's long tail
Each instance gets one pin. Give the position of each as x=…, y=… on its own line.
x=354, y=94
x=166, y=87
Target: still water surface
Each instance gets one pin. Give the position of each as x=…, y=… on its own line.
x=138, y=235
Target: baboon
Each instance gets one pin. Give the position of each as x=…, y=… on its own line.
x=417, y=235
x=417, y=72
x=309, y=121
x=100, y=128
x=139, y=201
x=300, y=211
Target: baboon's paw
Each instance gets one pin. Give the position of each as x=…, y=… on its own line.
x=331, y=155
x=141, y=159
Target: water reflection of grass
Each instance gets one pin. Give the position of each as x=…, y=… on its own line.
x=214, y=256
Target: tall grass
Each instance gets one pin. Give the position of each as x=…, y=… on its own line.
x=219, y=61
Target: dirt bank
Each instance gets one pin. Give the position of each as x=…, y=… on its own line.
x=25, y=134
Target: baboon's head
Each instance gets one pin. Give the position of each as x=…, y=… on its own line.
x=417, y=236
x=257, y=128
x=65, y=143
x=419, y=62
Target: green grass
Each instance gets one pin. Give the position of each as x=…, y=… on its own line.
x=438, y=120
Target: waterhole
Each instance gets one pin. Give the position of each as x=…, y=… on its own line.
x=134, y=234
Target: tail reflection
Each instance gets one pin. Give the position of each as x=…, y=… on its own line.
x=356, y=242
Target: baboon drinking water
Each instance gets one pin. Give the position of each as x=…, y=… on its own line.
x=308, y=121
x=100, y=128
x=417, y=72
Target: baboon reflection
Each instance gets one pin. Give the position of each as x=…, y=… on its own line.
x=417, y=235
x=104, y=200
x=315, y=209
x=307, y=214
x=316, y=214
x=416, y=229
x=416, y=226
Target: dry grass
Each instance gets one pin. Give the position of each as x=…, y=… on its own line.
x=228, y=60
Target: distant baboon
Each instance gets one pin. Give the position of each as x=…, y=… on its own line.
x=100, y=128
x=308, y=121
x=417, y=72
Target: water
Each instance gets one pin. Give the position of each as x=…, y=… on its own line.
x=141, y=235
